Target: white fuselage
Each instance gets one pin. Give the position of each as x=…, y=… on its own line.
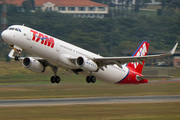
x=57, y=53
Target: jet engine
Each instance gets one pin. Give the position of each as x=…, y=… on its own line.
x=87, y=64
x=33, y=65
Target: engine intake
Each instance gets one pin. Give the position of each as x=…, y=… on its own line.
x=33, y=65
x=87, y=64
x=80, y=61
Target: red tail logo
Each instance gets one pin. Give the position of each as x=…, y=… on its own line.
x=141, y=51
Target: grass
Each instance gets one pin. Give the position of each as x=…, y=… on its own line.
x=70, y=90
x=145, y=111
x=13, y=74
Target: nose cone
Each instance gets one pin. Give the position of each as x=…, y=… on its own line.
x=4, y=35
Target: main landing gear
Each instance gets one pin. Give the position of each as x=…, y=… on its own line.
x=55, y=78
x=90, y=79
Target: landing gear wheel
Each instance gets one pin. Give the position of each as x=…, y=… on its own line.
x=16, y=58
x=93, y=79
x=52, y=79
x=88, y=79
x=57, y=79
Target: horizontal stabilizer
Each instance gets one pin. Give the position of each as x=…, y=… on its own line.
x=151, y=77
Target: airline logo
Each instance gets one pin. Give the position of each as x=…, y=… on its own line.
x=45, y=40
x=142, y=51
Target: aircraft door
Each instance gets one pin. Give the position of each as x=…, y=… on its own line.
x=28, y=37
x=28, y=34
x=58, y=47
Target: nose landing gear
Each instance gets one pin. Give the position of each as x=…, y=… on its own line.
x=17, y=57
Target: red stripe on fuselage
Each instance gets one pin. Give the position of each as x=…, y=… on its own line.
x=131, y=78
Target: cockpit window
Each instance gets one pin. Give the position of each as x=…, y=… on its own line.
x=16, y=29
x=11, y=28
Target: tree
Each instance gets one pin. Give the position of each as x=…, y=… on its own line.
x=174, y=4
x=127, y=3
x=100, y=35
x=139, y=4
x=103, y=1
x=169, y=4
x=164, y=3
x=28, y=5
x=12, y=9
x=122, y=6
x=7, y=58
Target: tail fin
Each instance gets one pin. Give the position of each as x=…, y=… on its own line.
x=141, y=51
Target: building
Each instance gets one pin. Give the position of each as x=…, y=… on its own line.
x=78, y=8
x=151, y=2
x=177, y=61
x=154, y=2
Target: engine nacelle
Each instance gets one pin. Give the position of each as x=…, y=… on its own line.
x=33, y=65
x=87, y=64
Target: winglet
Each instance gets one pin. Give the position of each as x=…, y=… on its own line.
x=174, y=49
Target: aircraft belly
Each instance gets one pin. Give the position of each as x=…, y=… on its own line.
x=111, y=75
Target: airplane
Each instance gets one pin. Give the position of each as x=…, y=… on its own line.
x=55, y=53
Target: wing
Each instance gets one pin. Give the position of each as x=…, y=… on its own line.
x=122, y=60
x=41, y=60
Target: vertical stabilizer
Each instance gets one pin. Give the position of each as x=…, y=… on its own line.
x=141, y=51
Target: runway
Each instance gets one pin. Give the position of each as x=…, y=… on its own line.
x=90, y=100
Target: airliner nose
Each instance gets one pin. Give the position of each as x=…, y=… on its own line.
x=4, y=35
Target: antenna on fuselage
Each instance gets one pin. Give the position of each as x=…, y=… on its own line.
x=23, y=25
